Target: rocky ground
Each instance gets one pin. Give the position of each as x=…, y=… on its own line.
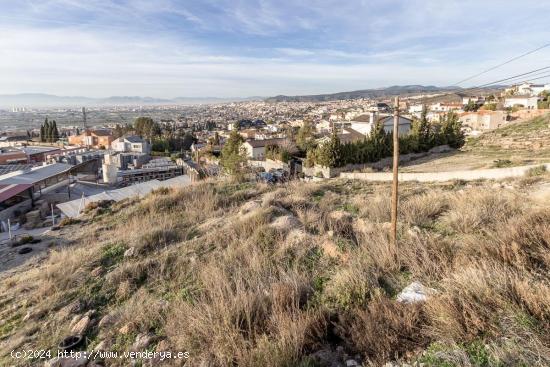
x=294, y=275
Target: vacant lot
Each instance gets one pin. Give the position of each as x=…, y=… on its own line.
x=299, y=275
x=519, y=143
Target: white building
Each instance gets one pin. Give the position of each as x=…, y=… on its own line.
x=524, y=101
x=530, y=89
x=131, y=144
x=415, y=109
x=256, y=149
x=364, y=124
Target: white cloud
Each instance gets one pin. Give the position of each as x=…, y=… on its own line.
x=239, y=48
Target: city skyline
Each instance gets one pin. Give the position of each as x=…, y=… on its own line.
x=260, y=48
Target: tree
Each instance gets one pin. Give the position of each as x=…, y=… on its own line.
x=490, y=106
x=47, y=131
x=304, y=137
x=146, y=127
x=329, y=154
x=421, y=131
x=187, y=141
x=232, y=157
x=118, y=131
x=451, y=130
x=310, y=158
x=471, y=106
x=216, y=140
x=42, y=133
x=54, y=136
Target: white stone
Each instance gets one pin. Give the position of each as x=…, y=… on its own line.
x=130, y=252
x=285, y=222
x=81, y=326
x=415, y=292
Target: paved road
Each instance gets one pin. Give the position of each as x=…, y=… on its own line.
x=32, y=232
x=488, y=174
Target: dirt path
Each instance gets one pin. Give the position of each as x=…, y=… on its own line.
x=467, y=175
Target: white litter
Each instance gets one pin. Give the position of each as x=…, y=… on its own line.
x=415, y=292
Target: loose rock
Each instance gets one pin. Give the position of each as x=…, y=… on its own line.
x=142, y=342
x=285, y=222
x=130, y=252
x=81, y=326
x=415, y=292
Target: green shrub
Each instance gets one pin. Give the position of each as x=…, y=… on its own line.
x=536, y=171
x=112, y=254
x=501, y=163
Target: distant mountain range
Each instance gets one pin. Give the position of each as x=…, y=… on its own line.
x=395, y=90
x=48, y=100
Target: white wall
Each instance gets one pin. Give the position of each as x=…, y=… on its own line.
x=530, y=103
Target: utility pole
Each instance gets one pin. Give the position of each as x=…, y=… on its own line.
x=395, y=185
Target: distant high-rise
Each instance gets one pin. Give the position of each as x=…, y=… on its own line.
x=84, y=117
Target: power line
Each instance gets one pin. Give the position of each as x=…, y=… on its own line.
x=541, y=77
x=514, y=77
x=535, y=72
x=502, y=64
x=529, y=73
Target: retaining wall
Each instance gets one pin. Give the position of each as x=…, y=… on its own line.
x=488, y=174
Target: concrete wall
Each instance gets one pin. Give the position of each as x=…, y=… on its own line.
x=22, y=207
x=269, y=164
x=528, y=114
x=488, y=174
x=381, y=164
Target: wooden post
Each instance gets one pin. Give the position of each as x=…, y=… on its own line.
x=395, y=176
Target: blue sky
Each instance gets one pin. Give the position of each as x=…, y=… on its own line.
x=230, y=48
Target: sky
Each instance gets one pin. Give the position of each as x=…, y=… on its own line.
x=240, y=48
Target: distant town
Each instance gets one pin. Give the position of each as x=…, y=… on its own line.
x=52, y=156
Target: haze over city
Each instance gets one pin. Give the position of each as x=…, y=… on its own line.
x=167, y=48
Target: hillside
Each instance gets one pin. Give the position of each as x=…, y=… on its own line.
x=396, y=90
x=296, y=275
x=519, y=143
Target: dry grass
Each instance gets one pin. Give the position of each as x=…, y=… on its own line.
x=210, y=274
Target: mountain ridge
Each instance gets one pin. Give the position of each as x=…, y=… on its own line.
x=51, y=100
x=394, y=90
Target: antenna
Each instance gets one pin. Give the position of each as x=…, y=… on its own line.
x=84, y=117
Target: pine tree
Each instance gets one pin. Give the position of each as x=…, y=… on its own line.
x=55, y=132
x=379, y=142
x=451, y=130
x=422, y=132
x=232, y=157
x=330, y=153
x=46, y=131
x=42, y=134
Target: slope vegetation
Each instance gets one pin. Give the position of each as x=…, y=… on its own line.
x=516, y=144
x=299, y=275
